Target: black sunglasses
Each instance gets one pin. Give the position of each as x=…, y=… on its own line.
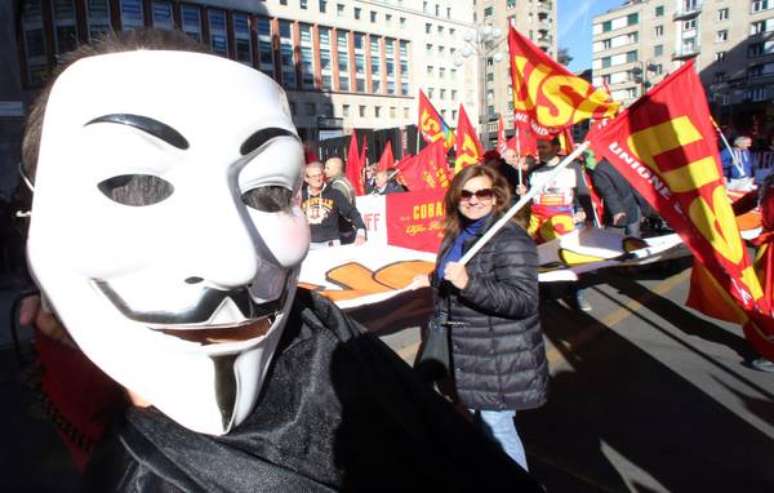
x=483, y=194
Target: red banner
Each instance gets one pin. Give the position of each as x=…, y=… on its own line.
x=524, y=140
x=469, y=151
x=549, y=96
x=355, y=166
x=416, y=219
x=427, y=170
x=665, y=146
x=432, y=127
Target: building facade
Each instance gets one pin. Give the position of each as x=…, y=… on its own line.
x=536, y=19
x=731, y=41
x=345, y=64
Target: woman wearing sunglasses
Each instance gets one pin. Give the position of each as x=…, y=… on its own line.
x=490, y=306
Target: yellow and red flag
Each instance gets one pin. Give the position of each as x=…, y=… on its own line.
x=428, y=170
x=665, y=146
x=547, y=95
x=355, y=166
x=431, y=126
x=469, y=150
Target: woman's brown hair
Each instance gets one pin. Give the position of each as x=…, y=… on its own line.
x=452, y=200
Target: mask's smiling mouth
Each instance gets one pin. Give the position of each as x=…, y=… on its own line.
x=205, y=337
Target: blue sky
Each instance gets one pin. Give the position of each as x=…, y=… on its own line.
x=574, y=28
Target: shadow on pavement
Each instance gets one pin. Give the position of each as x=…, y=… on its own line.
x=615, y=412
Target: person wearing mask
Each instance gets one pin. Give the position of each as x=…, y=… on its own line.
x=324, y=206
x=490, y=306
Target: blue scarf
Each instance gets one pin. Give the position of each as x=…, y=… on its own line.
x=454, y=253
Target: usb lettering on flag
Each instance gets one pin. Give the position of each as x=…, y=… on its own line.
x=665, y=146
x=547, y=95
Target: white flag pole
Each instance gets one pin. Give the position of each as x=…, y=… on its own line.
x=522, y=202
x=734, y=157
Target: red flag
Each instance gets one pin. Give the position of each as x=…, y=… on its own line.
x=469, y=151
x=566, y=141
x=386, y=161
x=502, y=144
x=524, y=140
x=664, y=145
x=427, y=170
x=547, y=95
x=431, y=126
x=355, y=166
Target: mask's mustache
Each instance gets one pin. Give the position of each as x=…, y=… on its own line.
x=200, y=307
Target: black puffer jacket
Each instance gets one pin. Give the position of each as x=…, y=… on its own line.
x=497, y=349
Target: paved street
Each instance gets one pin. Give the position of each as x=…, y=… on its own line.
x=646, y=395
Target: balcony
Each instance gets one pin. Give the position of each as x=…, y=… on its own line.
x=685, y=52
x=687, y=12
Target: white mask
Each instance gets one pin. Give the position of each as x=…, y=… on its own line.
x=141, y=234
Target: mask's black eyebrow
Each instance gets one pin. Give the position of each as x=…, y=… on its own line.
x=261, y=137
x=148, y=125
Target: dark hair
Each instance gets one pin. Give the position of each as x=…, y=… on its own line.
x=452, y=200
x=137, y=39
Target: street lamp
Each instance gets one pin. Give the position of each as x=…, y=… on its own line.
x=640, y=73
x=484, y=43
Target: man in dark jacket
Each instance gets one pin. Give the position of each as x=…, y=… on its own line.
x=620, y=200
x=324, y=206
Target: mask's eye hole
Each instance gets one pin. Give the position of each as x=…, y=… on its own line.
x=136, y=190
x=268, y=198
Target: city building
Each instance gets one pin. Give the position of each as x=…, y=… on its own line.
x=536, y=19
x=346, y=64
x=731, y=42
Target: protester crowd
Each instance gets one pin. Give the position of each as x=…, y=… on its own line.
x=220, y=372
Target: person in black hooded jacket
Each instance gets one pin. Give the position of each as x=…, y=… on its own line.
x=491, y=308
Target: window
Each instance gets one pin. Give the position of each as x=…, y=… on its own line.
x=358, y=12
x=452, y=32
x=326, y=81
x=632, y=19
x=283, y=2
x=405, y=112
x=689, y=25
x=761, y=5
x=760, y=49
x=454, y=95
x=658, y=50
x=340, y=10
x=760, y=27
x=430, y=70
x=361, y=110
x=441, y=72
x=723, y=14
x=242, y=45
x=607, y=26
x=377, y=111
x=218, y=36
x=387, y=19
x=721, y=36
x=631, y=56
x=191, y=21
x=721, y=55
x=65, y=32
x=607, y=44
x=393, y=113
x=428, y=49
x=265, y=50
x=660, y=11
x=132, y=14
x=453, y=74
x=659, y=31
x=303, y=4
x=360, y=85
x=488, y=12
x=606, y=62
x=510, y=4
x=161, y=13
x=345, y=110
x=428, y=28
x=404, y=88
x=403, y=23
x=448, y=12
x=454, y=115
x=442, y=94
x=35, y=43
x=373, y=17
x=322, y=5
x=327, y=110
